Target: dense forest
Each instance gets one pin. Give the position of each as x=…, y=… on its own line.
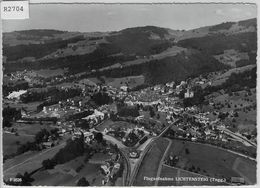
x=216, y=44
x=175, y=68
x=37, y=50
x=101, y=57
x=138, y=40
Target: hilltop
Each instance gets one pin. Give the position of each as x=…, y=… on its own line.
x=229, y=44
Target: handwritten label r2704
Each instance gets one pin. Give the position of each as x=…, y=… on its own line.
x=14, y=10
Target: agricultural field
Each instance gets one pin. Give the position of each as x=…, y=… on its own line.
x=46, y=73
x=22, y=134
x=222, y=77
x=32, y=129
x=241, y=103
x=230, y=57
x=69, y=173
x=130, y=81
x=204, y=160
x=153, y=156
x=172, y=51
x=29, y=107
x=11, y=142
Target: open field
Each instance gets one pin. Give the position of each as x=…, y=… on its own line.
x=172, y=51
x=230, y=57
x=12, y=142
x=218, y=80
x=130, y=81
x=32, y=129
x=159, y=117
x=67, y=175
x=205, y=161
x=46, y=73
x=236, y=101
x=26, y=133
x=151, y=162
x=241, y=103
x=29, y=107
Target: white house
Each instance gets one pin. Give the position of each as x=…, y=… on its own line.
x=16, y=94
x=124, y=88
x=95, y=115
x=189, y=94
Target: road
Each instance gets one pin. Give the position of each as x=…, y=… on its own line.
x=114, y=141
x=127, y=171
x=238, y=137
x=162, y=161
x=139, y=162
x=148, y=147
x=130, y=173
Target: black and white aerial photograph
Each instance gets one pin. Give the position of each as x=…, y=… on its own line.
x=130, y=95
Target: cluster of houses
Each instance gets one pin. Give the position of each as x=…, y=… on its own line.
x=95, y=118
x=31, y=77
x=88, y=136
x=200, y=128
x=110, y=168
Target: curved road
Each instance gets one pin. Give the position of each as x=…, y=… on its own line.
x=148, y=147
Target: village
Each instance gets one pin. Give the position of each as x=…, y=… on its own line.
x=145, y=112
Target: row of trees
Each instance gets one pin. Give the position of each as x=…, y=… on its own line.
x=36, y=50
x=127, y=111
x=101, y=98
x=9, y=115
x=168, y=69
x=216, y=44
x=73, y=149
x=55, y=95
x=40, y=137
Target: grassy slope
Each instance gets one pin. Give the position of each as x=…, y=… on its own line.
x=210, y=164
x=9, y=142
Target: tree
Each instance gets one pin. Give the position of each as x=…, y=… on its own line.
x=101, y=98
x=83, y=182
x=41, y=136
x=152, y=114
x=126, y=111
x=249, y=137
x=99, y=137
x=48, y=164
x=6, y=123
